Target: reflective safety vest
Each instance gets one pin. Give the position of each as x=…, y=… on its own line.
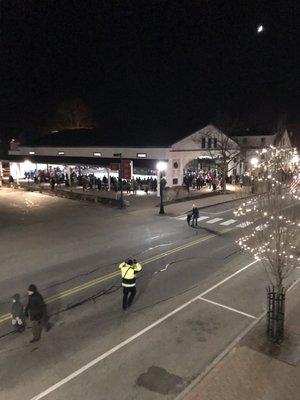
x=128, y=273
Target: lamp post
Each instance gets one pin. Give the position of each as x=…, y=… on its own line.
x=161, y=167
x=120, y=176
x=254, y=161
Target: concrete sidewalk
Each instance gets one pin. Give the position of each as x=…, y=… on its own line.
x=183, y=207
x=256, y=369
x=202, y=199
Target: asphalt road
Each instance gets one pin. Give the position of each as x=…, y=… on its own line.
x=197, y=292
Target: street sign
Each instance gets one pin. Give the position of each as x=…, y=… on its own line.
x=114, y=166
x=126, y=169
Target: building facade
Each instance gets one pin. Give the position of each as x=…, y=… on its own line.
x=203, y=150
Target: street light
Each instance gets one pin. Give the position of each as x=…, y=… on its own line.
x=161, y=166
x=254, y=161
x=120, y=176
x=295, y=159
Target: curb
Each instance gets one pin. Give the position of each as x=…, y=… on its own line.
x=197, y=197
x=228, y=201
x=72, y=195
x=219, y=358
x=217, y=204
x=224, y=353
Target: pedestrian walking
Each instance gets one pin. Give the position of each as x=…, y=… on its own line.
x=195, y=216
x=52, y=183
x=37, y=310
x=215, y=183
x=188, y=218
x=17, y=313
x=129, y=269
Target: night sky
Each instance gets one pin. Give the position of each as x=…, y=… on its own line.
x=150, y=67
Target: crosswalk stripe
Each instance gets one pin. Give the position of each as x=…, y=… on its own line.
x=244, y=224
x=181, y=217
x=212, y=221
x=202, y=218
x=229, y=222
x=215, y=220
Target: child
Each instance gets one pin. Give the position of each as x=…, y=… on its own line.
x=188, y=218
x=17, y=314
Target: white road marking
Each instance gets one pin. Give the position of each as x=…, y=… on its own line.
x=228, y=308
x=181, y=217
x=133, y=337
x=219, y=212
x=213, y=221
x=229, y=222
x=202, y=218
x=244, y=224
x=220, y=356
x=227, y=279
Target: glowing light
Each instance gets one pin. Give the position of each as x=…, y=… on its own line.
x=161, y=166
x=260, y=29
x=254, y=161
x=27, y=164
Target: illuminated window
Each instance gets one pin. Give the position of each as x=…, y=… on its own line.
x=61, y=153
x=97, y=154
x=141, y=155
x=32, y=153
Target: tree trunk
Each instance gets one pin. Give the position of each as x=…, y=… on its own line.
x=223, y=176
x=223, y=183
x=275, y=314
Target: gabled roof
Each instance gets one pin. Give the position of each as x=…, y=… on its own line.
x=97, y=138
x=208, y=126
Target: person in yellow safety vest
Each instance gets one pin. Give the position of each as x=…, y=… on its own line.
x=129, y=269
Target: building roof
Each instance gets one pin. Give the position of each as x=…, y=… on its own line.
x=95, y=137
x=101, y=162
x=251, y=133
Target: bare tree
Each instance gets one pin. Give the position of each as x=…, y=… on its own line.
x=272, y=218
x=224, y=151
x=74, y=114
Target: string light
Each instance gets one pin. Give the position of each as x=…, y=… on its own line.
x=273, y=232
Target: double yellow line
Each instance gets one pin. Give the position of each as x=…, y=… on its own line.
x=96, y=281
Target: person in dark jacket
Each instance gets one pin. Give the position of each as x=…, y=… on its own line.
x=195, y=216
x=17, y=313
x=188, y=218
x=36, y=309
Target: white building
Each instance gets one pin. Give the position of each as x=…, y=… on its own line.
x=201, y=150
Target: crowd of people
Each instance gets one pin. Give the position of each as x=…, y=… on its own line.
x=80, y=178
x=129, y=185
x=211, y=179
x=57, y=177
x=196, y=181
